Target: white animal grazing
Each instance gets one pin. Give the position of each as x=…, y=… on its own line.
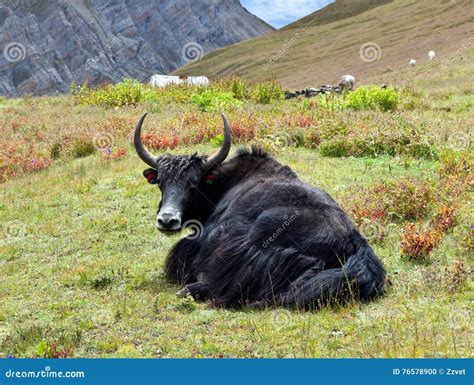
x=162, y=81
x=347, y=81
x=431, y=55
x=198, y=81
x=412, y=62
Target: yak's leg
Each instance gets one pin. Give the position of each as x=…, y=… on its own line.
x=198, y=290
x=186, y=264
x=178, y=265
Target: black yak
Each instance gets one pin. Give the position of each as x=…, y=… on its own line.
x=263, y=237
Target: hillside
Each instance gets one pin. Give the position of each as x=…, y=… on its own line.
x=49, y=44
x=339, y=10
x=345, y=37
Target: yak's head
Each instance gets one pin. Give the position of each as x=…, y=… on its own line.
x=179, y=178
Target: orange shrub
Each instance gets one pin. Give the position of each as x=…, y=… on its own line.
x=119, y=153
x=160, y=141
x=304, y=121
x=242, y=131
x=445, y=219
x=418, y=243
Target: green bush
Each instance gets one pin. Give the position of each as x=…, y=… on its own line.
x=337, y=148
x=74, y=88
x=421, y=150
x=266, y=92
x=411, y=99
x=55, y=151
x=211, y=100
x=82, y=147
x=372, y=97
x=331, y=102
x=222, y=94
x=240, y=89
x=217, y=140
x=127, y=93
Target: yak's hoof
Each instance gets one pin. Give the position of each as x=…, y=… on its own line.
x=183, y=292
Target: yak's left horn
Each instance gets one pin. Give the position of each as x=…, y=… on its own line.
x=219, y=157
x=142, y=152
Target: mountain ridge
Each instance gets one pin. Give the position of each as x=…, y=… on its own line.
x=314, y=51
x=104, y=41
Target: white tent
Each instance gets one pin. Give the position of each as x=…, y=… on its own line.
x=198, y=81
x=164, y=80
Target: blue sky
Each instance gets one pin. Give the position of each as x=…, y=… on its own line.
x=279, y=13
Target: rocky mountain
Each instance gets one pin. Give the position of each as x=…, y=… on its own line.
x=47, y=44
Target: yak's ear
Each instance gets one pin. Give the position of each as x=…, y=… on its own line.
x=151, y=175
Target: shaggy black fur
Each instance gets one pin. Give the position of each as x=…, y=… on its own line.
x=268, y=238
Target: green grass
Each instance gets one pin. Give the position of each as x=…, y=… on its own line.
x=82, y=267
x=81, y=264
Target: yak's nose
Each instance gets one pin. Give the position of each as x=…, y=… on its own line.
x=168, y=220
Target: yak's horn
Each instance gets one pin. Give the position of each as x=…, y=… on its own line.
x=142, y=152
x=220, y=156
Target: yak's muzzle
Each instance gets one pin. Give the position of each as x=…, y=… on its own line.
x=168, y=220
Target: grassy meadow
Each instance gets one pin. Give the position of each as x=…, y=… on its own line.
x=81, y=264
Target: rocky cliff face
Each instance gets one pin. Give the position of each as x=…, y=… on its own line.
x=47, y=44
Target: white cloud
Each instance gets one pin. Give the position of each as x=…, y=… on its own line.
x=282, y=12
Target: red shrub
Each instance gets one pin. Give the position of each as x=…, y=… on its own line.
x=304, y=121
x=115, y=155
x=242, y=131
x=418, y=243
x=160, y=141
x=36, y=164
